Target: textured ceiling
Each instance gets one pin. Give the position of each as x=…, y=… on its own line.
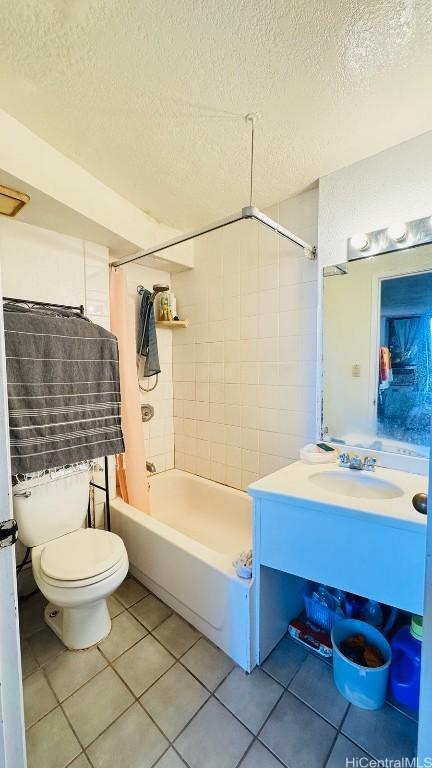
x=148, y=94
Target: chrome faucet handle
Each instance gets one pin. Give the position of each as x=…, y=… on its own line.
x=344, y=459
x=369, y=463
x=356, y=462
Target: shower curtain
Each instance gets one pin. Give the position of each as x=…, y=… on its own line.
x=135, y=458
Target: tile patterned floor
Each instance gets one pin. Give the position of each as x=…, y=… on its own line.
x=156, y=693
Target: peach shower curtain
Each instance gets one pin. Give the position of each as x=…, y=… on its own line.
x=135, y=458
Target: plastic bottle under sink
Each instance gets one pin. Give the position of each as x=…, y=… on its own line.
x=372, y=614
x=405, y=668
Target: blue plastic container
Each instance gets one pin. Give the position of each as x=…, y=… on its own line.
x=405, y=668
x=366, y=687
x=319, y=614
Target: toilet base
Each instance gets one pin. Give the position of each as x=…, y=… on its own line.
x=79, y=627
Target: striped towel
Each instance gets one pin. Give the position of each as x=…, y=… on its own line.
x=63, y=390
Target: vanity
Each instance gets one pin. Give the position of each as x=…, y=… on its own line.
x=350, y=529
x=340, y=524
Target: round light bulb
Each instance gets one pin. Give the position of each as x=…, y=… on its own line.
x=397, y=231
x=360, y=241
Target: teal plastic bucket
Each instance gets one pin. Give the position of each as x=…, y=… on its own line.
x=366, y=687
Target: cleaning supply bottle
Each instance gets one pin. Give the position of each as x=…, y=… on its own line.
x=405, y=668
x=354, y=606
x=372, y=614
x=339, y=597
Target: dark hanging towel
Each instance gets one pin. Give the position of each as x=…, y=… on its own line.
x=63, y=390
x=147, y=340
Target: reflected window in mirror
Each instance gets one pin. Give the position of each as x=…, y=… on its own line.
x=404, y=397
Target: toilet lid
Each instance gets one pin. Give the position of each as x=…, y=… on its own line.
x=81, y=554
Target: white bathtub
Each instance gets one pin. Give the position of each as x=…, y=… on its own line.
x=183, y=552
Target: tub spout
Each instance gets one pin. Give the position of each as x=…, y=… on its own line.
x=151, y=469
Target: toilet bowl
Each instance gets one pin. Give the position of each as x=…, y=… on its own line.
x=76, y=573
x=75, y=568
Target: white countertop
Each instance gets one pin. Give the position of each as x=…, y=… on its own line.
x=293, y=483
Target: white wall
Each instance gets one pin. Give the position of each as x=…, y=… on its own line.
x=35, y=163
x=244, y=370
x=394, y=185
x=159, y=432
x=43, y=265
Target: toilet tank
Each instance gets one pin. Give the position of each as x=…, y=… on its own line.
x=50, y=506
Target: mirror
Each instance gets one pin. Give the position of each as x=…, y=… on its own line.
x=377, y=353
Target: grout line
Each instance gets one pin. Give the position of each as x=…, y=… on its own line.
x=116, y=658
x=245, y=753
x=335, y=738
x=66, y=717
x=316, y=711
x=179, y=755
x=90, y=744
x=344, y=718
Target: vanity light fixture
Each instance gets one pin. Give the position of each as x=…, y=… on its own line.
x=360, y=241
x=397, y=236
x=397, y=231
x=11, y=201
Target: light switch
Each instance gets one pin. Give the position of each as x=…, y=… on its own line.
x=356, y=370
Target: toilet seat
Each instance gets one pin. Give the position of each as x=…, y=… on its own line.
x=81, y=558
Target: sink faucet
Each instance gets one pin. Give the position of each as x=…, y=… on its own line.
x=150, y=467
x=356, y=462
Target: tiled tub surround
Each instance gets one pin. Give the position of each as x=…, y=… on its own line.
x=156, y=693
x=244, y=370
x=183, y=551
x=159, y=432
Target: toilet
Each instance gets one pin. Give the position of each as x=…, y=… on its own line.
x=75, y=568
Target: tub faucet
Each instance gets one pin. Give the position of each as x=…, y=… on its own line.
x=356, y=462
x=150, y=467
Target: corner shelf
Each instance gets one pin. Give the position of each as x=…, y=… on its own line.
x=172, y=323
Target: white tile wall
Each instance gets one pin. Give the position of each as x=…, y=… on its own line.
x=244, y=371
x=159, y=432
x=237, y=388
x=43, y=265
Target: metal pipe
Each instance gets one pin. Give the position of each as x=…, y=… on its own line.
x=107, y=499
x=249, y=212
x=177, y=241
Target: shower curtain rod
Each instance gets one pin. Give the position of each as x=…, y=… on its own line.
x=249, y=212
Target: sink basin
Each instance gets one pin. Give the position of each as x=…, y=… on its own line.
x=360, y=484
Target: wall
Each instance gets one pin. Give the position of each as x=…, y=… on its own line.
x=159, y=432
x=45, y=266
x=244, y=370
x=37, y=164
x=394, y=185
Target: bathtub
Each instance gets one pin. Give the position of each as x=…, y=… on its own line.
x=183, y=552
